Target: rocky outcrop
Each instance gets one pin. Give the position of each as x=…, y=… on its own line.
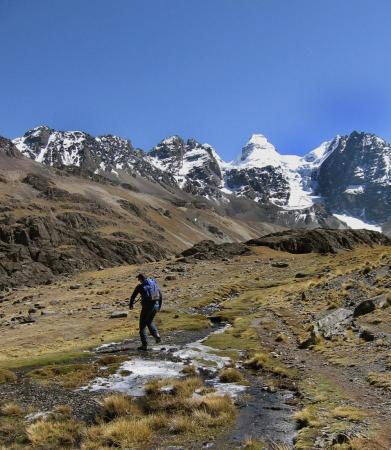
x=210, y=250
x=35, y=249
x=356, y=177
x=195, y=166
x=260, y=184
x=8, y=148
x=320, y=240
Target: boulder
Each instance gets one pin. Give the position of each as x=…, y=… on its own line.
x=365, y=307
x=333, y=324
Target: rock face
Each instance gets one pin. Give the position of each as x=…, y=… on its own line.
x=35, y=249
x=211, y=250
x=195, y=166
x=8, y=148
x=320, y=240
x=356, y=177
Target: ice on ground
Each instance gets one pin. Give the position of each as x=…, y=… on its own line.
x=40, y=415
x=356, y=224
x=231, y=389
x=133, y=374
x=140, y=372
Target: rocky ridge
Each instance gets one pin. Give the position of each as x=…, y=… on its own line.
x=349, y=175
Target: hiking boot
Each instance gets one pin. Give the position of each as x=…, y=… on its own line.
x=158, y=339
x=142, y=348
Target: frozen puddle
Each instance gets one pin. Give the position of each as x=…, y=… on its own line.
x=168, y=363
x=132, y=375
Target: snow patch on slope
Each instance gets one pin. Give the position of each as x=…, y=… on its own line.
x=356, y=224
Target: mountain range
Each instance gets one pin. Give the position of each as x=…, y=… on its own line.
x=70, y=201
x=344, y=181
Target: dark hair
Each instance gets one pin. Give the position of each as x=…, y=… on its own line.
x=141, y=277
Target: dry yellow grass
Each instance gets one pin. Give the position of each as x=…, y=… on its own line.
x=53, y=435
x=189, y=370
x=7, y=376
x=257, y=362
x=181, y=387
x=118, y=405
x=11, y=409
x=305, y=418
x=231, y=375
x=349, y=413
x=124, y=432
x=382, y=380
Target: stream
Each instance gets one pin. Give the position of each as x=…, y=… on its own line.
x=262, y=413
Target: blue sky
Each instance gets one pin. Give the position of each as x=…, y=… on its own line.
x=298, y=71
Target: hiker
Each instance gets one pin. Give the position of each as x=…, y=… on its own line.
x=151, y=303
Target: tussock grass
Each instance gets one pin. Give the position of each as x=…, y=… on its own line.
x=257, y=362
x=305, y=418
x=118, y=405
x=7, y=376
x=181, y=388
x=62, y=411
x=107, y=360
x=181, y=424
x=255, y=444
x=68, y=375
x=230, y=375
x=349, y=413
x=262, y=361
x=134, y=423
x=75, y=375
x=124, y=432
x=382, y=380
x=282, y=337
x=189, y=370
x=51, y=435
x=11, y=409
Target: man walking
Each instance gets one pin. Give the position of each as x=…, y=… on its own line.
x=151, y=303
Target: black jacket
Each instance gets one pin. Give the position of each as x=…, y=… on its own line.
x=145, y=301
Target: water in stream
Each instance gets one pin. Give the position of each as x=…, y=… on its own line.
x=261, y=414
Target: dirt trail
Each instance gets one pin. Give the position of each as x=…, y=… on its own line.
x=350, y=380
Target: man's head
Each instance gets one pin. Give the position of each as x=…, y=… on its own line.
x=141, y=277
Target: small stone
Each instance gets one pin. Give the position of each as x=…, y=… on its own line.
x=118, y=314
x=48, y=313
x=301, y=275
x=280, y=264
x=367, y=335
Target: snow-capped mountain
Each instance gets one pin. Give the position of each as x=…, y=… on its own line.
x=264, y=174
x=196, y=167
x=356, y=178
x=103, y=154
x=349, y=175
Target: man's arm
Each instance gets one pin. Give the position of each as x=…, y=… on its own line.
x=133, y=296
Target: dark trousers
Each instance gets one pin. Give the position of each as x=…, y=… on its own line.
x=147, y=315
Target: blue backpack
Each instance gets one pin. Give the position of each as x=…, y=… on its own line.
x=152, y=290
